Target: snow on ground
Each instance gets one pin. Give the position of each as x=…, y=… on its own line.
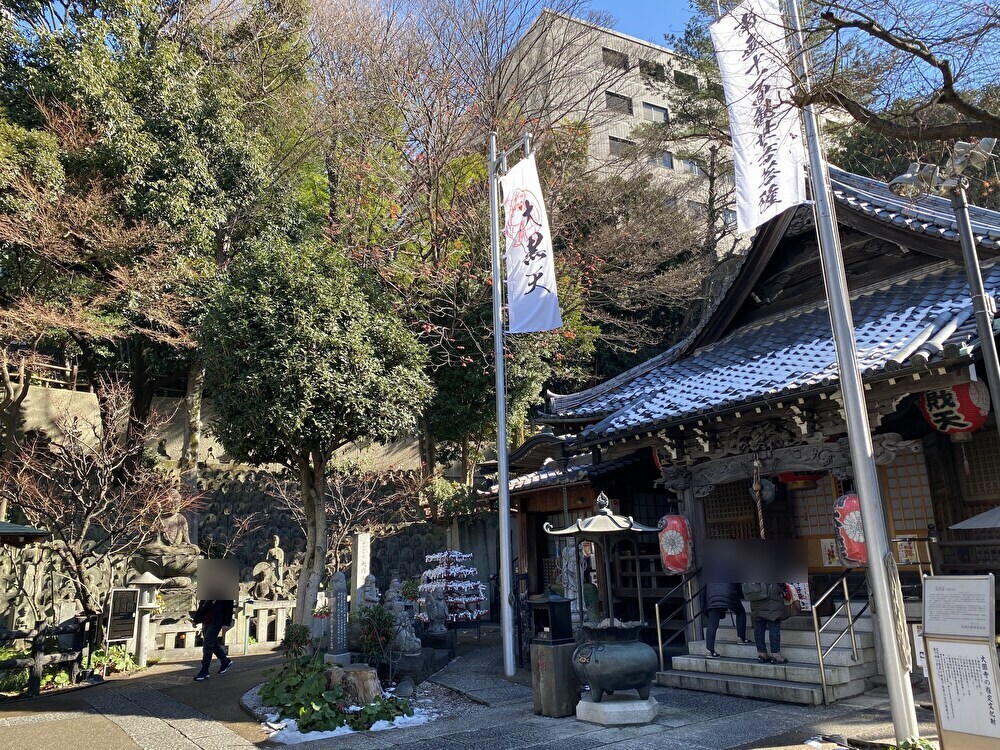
x=289, y=733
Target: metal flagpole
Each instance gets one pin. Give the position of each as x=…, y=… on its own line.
x=904, y=717
x=503, y=485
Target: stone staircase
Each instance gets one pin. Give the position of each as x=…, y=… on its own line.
x=739, y=673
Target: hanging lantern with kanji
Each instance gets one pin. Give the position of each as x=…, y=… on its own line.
x=958, y=409
x=800, y=480
x=676, y=544
x=851, y=547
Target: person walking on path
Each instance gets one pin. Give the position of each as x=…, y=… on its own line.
x=767, y=608
x=721, y=598
x=215, y=617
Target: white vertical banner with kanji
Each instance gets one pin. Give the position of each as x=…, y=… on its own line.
x=752, y=49
x=532, y=302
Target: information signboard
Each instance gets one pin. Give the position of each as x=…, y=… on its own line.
x=959, y=606
x=964, y=675
x=123, y=608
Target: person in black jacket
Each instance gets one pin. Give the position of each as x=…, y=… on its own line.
x=719, y=599
x=215, y=617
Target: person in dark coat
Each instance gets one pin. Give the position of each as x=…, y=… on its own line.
x=767, y=608
x=721, y=598
x=215, y=617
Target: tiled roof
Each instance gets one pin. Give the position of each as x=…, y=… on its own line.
x=929, y=215
x=581, y=469
x=897, y=324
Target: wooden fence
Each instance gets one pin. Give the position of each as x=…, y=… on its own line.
x=37, y=659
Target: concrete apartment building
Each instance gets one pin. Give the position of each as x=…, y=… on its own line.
x=569, y=69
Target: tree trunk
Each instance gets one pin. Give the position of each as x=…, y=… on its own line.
x=428, y=459
x=190, y=453
x=12, y=400
x=312, y=470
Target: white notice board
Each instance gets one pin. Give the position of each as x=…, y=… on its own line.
x=959, y=606
x=964, y=683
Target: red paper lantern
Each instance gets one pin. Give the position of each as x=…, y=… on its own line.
x=800, y=480
x=676, y=544
x=957, y=409
x=851, y=547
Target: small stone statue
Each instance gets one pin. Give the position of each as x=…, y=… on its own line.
x=406, y=640
x=369, y=592
x=437, y=612
x=276, y=556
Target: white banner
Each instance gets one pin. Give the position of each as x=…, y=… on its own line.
x=532, y=302
x=751, y=45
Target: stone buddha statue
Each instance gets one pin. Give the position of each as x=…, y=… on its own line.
x=171, y=555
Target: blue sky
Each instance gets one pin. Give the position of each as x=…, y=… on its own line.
x=648, y=20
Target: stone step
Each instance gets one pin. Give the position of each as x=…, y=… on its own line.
x=791, y=672
x=801, y=637
x=864, y=623
x=840, y=656
x=756, y=687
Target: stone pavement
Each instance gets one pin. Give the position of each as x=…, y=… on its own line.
x=162, y=709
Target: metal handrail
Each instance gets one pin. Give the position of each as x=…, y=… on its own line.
x=687, y=602
x=818, y=629
x=925, y=541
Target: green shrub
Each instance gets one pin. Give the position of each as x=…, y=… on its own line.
x=299, y=692
x=297, y=639
x=376, y=634
x=13, y=680
x=384, y=709
x=116, y=658
x=411, y=590
x=55, y=678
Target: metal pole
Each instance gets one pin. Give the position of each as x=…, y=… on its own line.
x=981, y=302
x=503, y=483
x=904, y=716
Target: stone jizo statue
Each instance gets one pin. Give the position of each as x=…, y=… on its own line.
x=437, y=612
x=369, y=592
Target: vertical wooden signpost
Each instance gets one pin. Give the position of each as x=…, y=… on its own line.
x=961, y=652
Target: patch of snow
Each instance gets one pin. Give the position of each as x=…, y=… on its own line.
x=290, y=734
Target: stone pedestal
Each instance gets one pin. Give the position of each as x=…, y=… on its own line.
x=446, y=641
x=618, y=710
x=554, y=686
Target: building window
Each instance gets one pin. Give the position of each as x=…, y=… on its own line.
x=692, y=167
x=686, y=80
x=653, y=113
x=614, y=59
x=696, y=208
x=618, y=103
x=665, y=160
x=619, y=146
x=729, y=217
x=716, y=91
x=653, y=70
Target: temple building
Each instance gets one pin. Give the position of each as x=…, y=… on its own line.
x=751, y=397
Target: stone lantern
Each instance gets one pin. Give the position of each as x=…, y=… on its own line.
x=149, y=587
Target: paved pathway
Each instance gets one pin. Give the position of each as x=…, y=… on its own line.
x=163, y=709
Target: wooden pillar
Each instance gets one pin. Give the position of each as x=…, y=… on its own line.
x=694, y=509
